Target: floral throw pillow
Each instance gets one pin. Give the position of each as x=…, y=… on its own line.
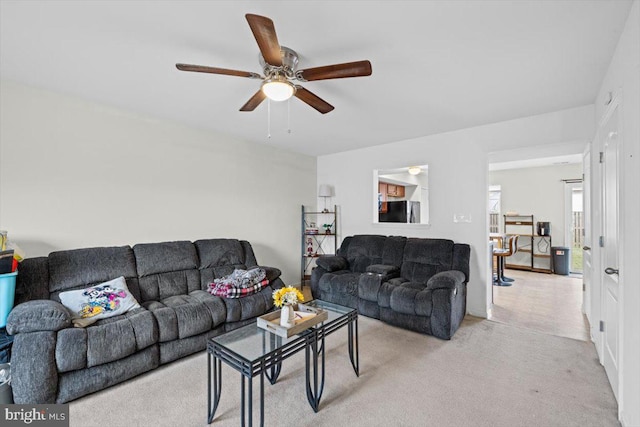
x=101, y=301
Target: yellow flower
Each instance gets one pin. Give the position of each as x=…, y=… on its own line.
x=287, y=295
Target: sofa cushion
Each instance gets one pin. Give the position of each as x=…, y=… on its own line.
x=110, y=341
x=33, y=280
x=215, y=305
x=81, y=268
x=192, y=316
x=105, y=341
x=386, y=289
x=461, y=253
x=340, y=282
x=217, y=252
x=158, y=287
x=166, y=269
x=411, y=298
x=362, y=251
x=368, y=287
x=71, y=349
x=425, y=257
x=249, y=306
x=183, y=316
x=165, y=257
x=393, y=250
x=219, y=258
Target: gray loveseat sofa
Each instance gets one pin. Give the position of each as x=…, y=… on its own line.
x=417, y=284
x=54, y=362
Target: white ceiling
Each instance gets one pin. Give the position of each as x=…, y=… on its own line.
x=437, y=65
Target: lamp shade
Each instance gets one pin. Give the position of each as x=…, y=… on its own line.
x=325, y=190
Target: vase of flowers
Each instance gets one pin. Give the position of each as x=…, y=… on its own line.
x=286, y=298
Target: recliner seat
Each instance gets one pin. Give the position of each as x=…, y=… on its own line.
x=54, y=362
x=414, y=283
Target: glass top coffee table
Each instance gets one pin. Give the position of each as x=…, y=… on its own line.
x=254, y=351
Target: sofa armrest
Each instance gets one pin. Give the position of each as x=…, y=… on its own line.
x=332, y=263
x=316, y=274
x=271, y=272
x=38, y=315
x=446, y=280
x=389, y=271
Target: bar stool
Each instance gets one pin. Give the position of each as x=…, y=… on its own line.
x=501, y=254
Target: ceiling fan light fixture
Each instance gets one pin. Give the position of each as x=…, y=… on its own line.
x=278, y=88
x=415, y=170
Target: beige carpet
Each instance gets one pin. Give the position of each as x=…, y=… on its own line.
x=489, y=374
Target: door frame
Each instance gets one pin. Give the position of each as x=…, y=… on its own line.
x=587, y=273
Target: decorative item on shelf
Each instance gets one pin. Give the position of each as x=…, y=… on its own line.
x=311, y=229
x=286, y=298
x=327, y=228
x=309, y=246
x=325, y=191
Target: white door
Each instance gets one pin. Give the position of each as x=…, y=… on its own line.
x=586, y=249
x=610, y=286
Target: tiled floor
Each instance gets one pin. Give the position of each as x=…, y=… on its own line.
x=546, y=303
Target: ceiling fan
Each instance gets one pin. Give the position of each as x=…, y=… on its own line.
x=280, y=67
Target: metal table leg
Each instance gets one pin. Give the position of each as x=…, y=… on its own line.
x=315, y=389
x=246, y=399
x=214, y=399
x=353, y=345
x=274, y=371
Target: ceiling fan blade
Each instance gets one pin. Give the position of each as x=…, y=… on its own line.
x=255, y=100
x=313, y=100
x=265, y=34
x=214, y=70
x=337, y=71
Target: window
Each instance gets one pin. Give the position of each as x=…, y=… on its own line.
x=494, y=208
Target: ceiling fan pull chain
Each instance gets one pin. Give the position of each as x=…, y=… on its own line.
x=268, y=118
x=289, y=116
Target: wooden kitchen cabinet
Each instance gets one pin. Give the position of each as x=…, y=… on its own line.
x=387, y=190
x=395, y=190
x=382, y=190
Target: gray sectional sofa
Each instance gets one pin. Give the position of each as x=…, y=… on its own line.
x=417, y=284
x=54, y=362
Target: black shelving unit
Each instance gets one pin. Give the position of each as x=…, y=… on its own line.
x=537, y=247
x=316, y=239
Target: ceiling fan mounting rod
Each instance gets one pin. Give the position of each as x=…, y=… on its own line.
x=288, y=68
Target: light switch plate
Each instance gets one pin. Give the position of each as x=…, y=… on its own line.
x=457, y=217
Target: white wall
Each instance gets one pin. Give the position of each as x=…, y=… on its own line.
x=623, y=80
x=537, y=191
x=78, y=174
x=458, y=181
